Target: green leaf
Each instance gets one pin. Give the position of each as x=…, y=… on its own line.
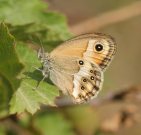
x=53, y=123
x=2, y=130
x=21, y=12
x=31, y=19
x=10, y=67
x=49, y=31
x=28, y=56
x=26, y=97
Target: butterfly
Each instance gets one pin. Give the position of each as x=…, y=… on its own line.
x=76, y=66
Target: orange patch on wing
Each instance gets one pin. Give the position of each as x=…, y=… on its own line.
x=75, y=49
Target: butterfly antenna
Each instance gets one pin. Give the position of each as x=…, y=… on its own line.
x=40, y=42
x=37, y=68
x=32, y=41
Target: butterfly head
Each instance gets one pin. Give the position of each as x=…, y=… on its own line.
x=44, y=58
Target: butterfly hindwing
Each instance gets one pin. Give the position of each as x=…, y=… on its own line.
x=87, y=82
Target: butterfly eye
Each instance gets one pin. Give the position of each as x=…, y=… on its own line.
x=98, y=47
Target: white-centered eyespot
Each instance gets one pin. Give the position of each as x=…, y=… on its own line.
x=99, y=48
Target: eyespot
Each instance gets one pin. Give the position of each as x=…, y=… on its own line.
x=81, y=62
x=92, y=78
x=91, y=71
x=80, y=96
x=96, y=88
x=98, y=47
x=84, y=80
x=82, y=87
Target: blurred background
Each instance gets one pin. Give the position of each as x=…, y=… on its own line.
x=117, y=109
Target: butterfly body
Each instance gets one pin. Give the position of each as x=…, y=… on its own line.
x=77, y=65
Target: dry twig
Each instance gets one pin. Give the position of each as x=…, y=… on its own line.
x=107, y=18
